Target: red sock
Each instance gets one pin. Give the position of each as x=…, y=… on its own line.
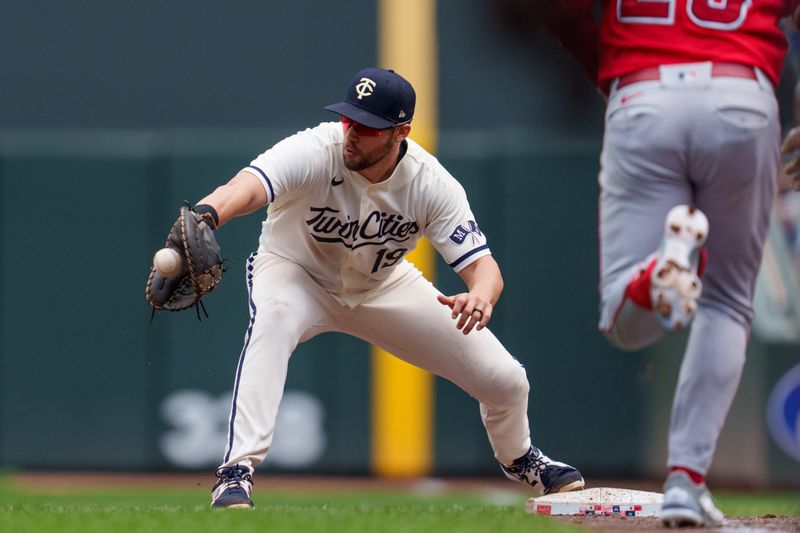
x=703, y=263
x=696, y=477
x=638, y=289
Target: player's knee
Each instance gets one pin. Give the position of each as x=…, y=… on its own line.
x=277, y=315
x=619, y=341
x=515, y=383
x=631, y=339
x=500, y=387
x=728, y=306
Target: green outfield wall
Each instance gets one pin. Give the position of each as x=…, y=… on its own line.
x=87, y=381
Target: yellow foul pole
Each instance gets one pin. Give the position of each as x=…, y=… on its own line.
x=402, y=395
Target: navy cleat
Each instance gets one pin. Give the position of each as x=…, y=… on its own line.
x=687, y=504
x=232, y=490
x=535, y=469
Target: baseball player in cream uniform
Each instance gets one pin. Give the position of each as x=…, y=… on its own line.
x=347, y=201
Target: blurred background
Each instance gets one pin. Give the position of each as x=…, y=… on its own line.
x=114, y=113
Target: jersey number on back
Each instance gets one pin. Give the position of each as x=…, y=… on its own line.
x=713, y=14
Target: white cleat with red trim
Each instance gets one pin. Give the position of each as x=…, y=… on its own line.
x=675, y=285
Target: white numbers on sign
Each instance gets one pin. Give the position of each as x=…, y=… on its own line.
x=198, y=431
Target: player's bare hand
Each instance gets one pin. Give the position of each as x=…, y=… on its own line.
x=469, y=310
x=791, y=146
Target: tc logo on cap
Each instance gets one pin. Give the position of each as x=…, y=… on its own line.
x=390, y=105
x=365, y=88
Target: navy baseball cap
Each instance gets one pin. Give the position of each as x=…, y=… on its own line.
x=377, y=98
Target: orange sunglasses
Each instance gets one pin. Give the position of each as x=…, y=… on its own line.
x=361, y=130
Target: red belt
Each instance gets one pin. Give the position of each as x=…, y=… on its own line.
x=731, y=70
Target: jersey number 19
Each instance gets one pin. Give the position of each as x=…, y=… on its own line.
x=385, y=259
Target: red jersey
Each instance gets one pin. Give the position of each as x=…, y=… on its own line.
x=636, y=34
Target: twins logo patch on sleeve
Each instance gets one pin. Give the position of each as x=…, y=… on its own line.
x=461, y=232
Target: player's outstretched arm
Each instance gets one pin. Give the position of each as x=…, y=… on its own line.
x=242, y=195
x=473, y=309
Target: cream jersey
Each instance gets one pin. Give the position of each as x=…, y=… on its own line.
x=350, y=234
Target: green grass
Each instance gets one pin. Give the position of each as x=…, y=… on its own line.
x=112, y=510
x=356, y=511
x=758, y=503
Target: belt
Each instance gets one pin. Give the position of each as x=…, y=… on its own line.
x=731, y=70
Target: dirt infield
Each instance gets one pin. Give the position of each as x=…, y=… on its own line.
x=43, y=481
x=769, y=523
x=56, y=482
x=87, y=481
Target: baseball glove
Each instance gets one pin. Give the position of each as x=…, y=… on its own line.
x=192, y=236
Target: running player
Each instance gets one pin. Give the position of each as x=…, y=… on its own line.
x=688, y=170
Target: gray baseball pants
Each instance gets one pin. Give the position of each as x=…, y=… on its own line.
x=712, y=142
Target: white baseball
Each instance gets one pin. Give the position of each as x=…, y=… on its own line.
x=167, y=262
